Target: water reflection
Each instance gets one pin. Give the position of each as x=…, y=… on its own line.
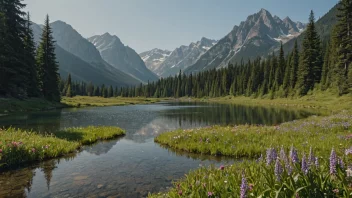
x=133, y=165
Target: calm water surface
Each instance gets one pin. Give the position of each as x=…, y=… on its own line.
x=131, y=166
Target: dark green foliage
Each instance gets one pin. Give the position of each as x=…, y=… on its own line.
x=343, y=39
x=29, y=46
x=47, y=66
x=14, y=71
x=310, y=64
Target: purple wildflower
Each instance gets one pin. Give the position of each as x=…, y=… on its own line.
x=333, y=162
x=317, y=162
x=348, y=151
x=294, y=155
x=222, y=167
x=33, y=150
x=0, y=150
x=278, y=170
x=285, y=159
x=244, y=187
x=304, y=165
x=340, y=162
x=271, y=156
x=311, y=158
x=210, y=194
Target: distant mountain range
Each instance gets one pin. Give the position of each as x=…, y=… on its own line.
x=79, y=57
x=104, y=59
x=256, y=36
x=122, y=57
x=165, y=63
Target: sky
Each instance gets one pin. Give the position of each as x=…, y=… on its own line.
x=166, y=24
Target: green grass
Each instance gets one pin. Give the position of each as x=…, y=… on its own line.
x=326, y=102
x=10, y=105
x=282, y=177
x=250, y=141
x=19, y=146
x=89, y=135
x=83, y=101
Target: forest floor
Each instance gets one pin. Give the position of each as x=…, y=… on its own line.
x=20, y=147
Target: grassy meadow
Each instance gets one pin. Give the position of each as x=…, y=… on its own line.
x=311, y=157
x=19, y=146
x=84, y=101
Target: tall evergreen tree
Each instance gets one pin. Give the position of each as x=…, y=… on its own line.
x=309, y=70
x=29, y=45
x=14, y=68
x=47, y=65
x=344, y=44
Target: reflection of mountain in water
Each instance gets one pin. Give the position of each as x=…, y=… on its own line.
x=101, y=147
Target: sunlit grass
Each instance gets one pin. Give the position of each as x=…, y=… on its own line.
x=19, y=146
x=81, y=101
x=288, y=175
x=249, y=141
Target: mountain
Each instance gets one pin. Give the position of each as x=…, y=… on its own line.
x=324, y=26
x=154, y=58
x=122, y=57
x=81, y=52
x=260, y=33
x=79, y=69
x=179, y=59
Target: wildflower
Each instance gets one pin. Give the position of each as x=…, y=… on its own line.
x=311, y=158
x=251, y=186
x=244, y=187
x=210, y=194
x=222, y=167
x=317, y=162
x=0, y=150
x=336, y=191
x=271, y=155
x=278, y=170
x=333, y=162
x=294, y=155
x=348, y=151
x=180, y=192
x=304, y=165
x=33, y=150
x=349, y=172
x=225, y=182
x=340, y=162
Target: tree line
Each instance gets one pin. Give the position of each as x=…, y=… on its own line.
x=316, y=65
x=26, y=70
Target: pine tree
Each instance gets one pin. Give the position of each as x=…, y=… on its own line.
x=47, y=65
x=309, y=70
x=279, y=72
x=69, y=91
x=29, y=45
x=110, y=92
x=344, y=44
x=326, y=66
x=13, y=67
x=294, y=65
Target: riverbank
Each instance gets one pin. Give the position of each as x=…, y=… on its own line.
x=12, y=105
x=323, y=101
x=85, y=101
x=20, y=147
x=314, y=154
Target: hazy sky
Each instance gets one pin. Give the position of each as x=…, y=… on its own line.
x=166, y=24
